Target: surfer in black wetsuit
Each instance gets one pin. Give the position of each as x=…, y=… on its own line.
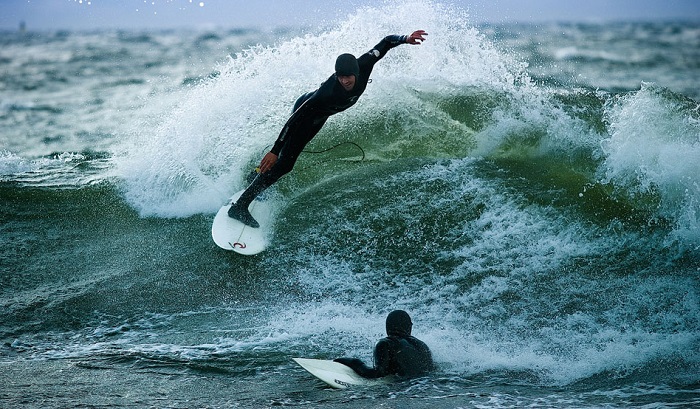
x=397, y=354
x=311, y=110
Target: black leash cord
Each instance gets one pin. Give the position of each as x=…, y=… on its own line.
x=340, y=144
x=329, y=149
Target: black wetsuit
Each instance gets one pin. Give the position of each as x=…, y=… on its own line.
x=398, y=354
x=313, y=109
x=394, y=355
x=310, y=113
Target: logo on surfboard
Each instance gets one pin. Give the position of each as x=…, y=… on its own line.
x=237, y=245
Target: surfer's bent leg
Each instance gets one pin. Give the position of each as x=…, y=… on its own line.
x=239, y=210
x=287, y=158
x=293, y=148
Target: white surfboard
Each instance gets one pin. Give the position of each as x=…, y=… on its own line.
x=335, y=374
x=230, y=234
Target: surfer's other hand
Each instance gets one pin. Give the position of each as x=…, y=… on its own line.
x=267, y=162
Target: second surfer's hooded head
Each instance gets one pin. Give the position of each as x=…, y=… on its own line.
x=398, y=323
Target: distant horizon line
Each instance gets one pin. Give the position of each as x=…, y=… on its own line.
x=23, y=26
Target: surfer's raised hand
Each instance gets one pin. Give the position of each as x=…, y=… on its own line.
x=416, y=37
x=267, y=162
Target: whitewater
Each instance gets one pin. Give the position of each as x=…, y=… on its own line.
x=528, y=193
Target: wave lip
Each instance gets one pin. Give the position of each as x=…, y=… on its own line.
x=215, y=131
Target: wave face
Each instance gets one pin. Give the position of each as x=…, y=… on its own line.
x=537, y=217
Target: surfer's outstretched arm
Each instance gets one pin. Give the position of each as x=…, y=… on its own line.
x=379, y=51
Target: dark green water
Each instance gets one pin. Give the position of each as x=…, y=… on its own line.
x=540, y=227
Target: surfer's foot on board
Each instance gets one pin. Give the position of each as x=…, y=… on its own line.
x=242, y=215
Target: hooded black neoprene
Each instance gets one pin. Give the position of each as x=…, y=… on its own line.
x=346, y=64
x=398, y=323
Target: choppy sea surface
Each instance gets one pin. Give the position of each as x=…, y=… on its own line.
x=530, y=194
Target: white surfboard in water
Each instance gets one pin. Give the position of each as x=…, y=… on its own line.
x=230, y=234
x=336, y=374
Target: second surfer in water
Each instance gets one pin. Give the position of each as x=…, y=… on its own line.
x=311, y=110
x=399, y=353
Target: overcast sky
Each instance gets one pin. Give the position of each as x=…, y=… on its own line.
x=90, y=14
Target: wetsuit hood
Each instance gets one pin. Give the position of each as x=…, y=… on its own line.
x=346, y=64
x=398, y=323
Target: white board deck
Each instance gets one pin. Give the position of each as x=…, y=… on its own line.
x=230, y=234
x=335, y=374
